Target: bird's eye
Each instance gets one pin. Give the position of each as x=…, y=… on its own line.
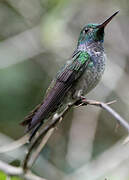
x=86, y=30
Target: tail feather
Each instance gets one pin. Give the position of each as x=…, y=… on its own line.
x=27, y=120
x=34, y=130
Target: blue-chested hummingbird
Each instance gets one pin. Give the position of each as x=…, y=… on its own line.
x=76, y=78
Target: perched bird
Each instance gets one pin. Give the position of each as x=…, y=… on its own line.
x=76, y=78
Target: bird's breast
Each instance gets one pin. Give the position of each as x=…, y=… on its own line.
x=92, y=73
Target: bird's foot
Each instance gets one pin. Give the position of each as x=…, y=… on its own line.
x=81, y=101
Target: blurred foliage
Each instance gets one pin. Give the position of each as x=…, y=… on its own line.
x=36, y=38
x=4, y=177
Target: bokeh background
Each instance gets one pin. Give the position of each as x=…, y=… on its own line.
x=36, y=38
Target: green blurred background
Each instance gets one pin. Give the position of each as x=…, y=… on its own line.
x=36, y=38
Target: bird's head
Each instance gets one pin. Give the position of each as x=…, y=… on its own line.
x=94, y=32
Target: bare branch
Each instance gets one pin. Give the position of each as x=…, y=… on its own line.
x=105, y=106
x=10, y=170
x=17, y=171
x=15, y=144
x=40, y=147
x=45, y=134
x=49, y=129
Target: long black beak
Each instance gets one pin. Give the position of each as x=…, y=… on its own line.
x=103, y=25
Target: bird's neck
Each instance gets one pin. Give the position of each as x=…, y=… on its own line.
x=89, y=45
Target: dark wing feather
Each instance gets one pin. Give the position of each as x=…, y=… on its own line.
x=65, y=79
x=28, y=118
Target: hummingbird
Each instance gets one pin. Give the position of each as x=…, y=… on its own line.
x=81, y=73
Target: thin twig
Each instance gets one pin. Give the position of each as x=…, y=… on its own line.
x=15, y=144
x=17, y=171
x=10, y=170
x=55, y=121
x=35, y=155
x=105, y=106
